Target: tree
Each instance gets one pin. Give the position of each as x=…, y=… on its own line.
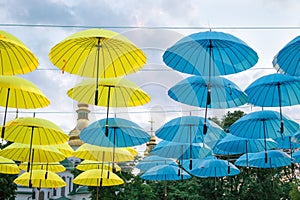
x=230, y=118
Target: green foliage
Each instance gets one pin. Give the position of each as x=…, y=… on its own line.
x=230, y=118
x=8, y=188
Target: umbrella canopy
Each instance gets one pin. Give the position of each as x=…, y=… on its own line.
x=97, y=53
x=287, y=59
x=215, y=168
x=121, y=133
x=296, y=157
x=243, y=160
x=274, y=90
x=164, y=173
x=53, y=166
x=262, y=124
x=196, y=163
x=64, y=148
x=286, y=142
x=36, y=131
x=194, y=91
x=98, y=177
x=103, y=154
x=296, y=137
x=153, y=161
x=90, y=164
x=40, y=179
x=8, y=166
x=231, y=144
x=189, y=129
x=181, y=151
x=276, y=158
x=16, y=57
x=210, y=53
x=39, y=153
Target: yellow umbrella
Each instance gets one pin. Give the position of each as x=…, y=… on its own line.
x=53, y=166
x=40, y=179
x=113, y=92
x=98, y=177
x=132, y=151
x=16, y=92
x=97, y=53
x=90, y=164
x=103, y=154
x=36, y=131
x=39, y=153
x=8, y=166
x=64, y=148
x=16, y=58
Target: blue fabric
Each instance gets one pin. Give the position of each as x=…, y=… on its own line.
x=192, y=55
x=165, y=173
x=190, y=128
x=152, y=161
x=275, y=159
x=286, y=143
x=264, y=91
x=181, y=150
x=215, y=168
x=193, y=91
x=288, y=58
x=232, y=144
x=121, y=133
x=262, y=124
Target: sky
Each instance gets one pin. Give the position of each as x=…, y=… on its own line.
x=265, y=25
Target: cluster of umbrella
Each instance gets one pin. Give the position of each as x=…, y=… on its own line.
x=103, y=58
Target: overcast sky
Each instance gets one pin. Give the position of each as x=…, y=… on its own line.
x=155, y=78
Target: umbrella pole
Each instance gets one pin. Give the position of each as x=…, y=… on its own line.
x=247, y=157
x=191, y=152
x=5, y=113
x=280, y=109
x=114, y=151
x=30, y=176
x=107, y=112
x=265, y=142
x=30, y=147
x=97, y=73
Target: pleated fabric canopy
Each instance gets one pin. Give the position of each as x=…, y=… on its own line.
x=16, y=57
x=8, y=166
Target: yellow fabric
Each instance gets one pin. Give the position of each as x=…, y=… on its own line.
x=132, y=151
x=22, y=94
x=53, y=166
x=122, y=92
x=45, y=132
x=16, y=58
x=78, y=54
x=64, y=148
x=8, y=166
x=103, y=154
x=38, y=179
x=42, y=153
x=92, y=178
x=90, y=164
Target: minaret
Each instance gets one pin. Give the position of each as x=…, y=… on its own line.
x=82, y=122
x=151, y=144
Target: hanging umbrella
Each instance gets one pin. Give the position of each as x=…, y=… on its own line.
x=40, y=179
x=243, y=160
x=103, y=154
x=16, y=92
x=189, y=129
x=113, y=92
x=153, y=161
x=287, y=59
x=181, y=151
x=276, y=158
x=296, y=157
x=121, y=133
x=196, y=163
x=8, y=166
x=275, y=90
x=90, y=164
x=296, y=137
x=52, y=166
x=231, y=145
x=208, y=92
x=65, y=149
x=215, y=168
x=165, y=173
x=16, y=57
x=97, y=53
x=210, y=53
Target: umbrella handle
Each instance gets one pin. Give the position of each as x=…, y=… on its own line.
x=191, y=164
x=266, y=157
x=281, y=127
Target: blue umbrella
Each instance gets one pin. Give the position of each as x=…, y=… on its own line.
x=121, y=133
x=215, y=168
x=231, y=145
x=196, y=163
x=275, y=90
x=182, y=151
x=243, y=160
x=189, y=129
x=153, y=161
x=296, y=157
x=210, y=54
x=288, y=58
x=296, y=137
x=276, y=158
x=286, y=143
